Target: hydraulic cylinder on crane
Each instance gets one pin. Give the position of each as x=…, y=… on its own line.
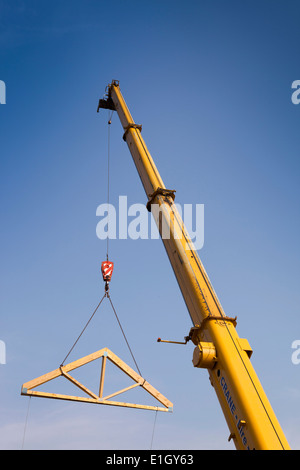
x=218, y=348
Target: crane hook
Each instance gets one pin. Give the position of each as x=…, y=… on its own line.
x=107, y=268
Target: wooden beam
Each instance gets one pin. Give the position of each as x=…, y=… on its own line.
x=57, y=372
x=121, y=391
x=102, y=376
x=79, y=385
x=150, y=389
x=104, y=353
x=97, y=401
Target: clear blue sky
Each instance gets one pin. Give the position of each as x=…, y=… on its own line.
x=211, y=84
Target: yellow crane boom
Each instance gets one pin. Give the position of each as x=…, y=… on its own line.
x=218, y=348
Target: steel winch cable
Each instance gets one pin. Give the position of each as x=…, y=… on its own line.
x=108, y=175
x=83, y=330
x=119, y=323
x=124, y=334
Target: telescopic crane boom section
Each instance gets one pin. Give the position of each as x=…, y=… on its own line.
x=218, y=348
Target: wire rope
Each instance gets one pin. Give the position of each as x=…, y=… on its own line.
x=83, y=330
x=26, y=421
x=108, y=178
x=123, y=334
x=153, y=430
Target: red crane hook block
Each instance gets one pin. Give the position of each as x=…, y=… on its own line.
x=107, y=268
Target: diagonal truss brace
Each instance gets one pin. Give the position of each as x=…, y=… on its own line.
x=105, y=353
